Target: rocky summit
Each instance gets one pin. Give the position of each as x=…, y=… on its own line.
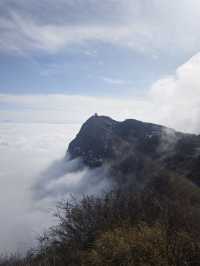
x=131, y=147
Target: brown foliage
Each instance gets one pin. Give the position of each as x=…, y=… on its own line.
x=159, y=225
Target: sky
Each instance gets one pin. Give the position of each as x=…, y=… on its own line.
x=61, y=62
x=91, y=47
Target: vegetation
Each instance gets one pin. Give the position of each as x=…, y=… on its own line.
x=159, y=225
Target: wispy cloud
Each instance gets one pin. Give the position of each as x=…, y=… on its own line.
x=115, y=81
x=64, y=178
x=23, y=34
x=141, y=26
x=173, y=101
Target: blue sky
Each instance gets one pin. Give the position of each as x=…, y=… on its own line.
x=62, y=61
x=92, y=47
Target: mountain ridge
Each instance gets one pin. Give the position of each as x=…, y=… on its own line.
x=128, y=145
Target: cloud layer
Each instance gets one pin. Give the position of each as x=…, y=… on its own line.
x=64, y=178
x=39, y=178
x=173, y=101
x=143, y=26
x=29, y=149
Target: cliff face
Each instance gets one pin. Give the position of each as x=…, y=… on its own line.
x=130, y=146
x=94, y=141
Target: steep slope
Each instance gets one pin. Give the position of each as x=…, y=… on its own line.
x=132, y=147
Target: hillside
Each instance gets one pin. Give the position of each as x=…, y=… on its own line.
x=130, y=146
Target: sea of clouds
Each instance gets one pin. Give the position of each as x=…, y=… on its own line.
x=27, y=150
x=35, y=131
x=35, y=175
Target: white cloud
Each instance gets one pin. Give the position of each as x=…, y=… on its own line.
x=66, y=177
x=40, y=176
x=29, y=150
x=173, y=101
x=144, y=26
x=23, y=34
x=178, y=97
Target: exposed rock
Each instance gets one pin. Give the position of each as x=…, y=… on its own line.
x=131, y=146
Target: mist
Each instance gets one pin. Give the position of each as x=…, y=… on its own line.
x=26, y=151
x=35, y=175
x=65, y=178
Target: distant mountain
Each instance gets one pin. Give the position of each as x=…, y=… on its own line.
x=132, y=147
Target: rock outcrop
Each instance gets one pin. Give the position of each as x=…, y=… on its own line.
x=130, y=146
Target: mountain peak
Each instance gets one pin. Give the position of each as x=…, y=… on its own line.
x=127, y=145
x=101, y=139
x=93, y=142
